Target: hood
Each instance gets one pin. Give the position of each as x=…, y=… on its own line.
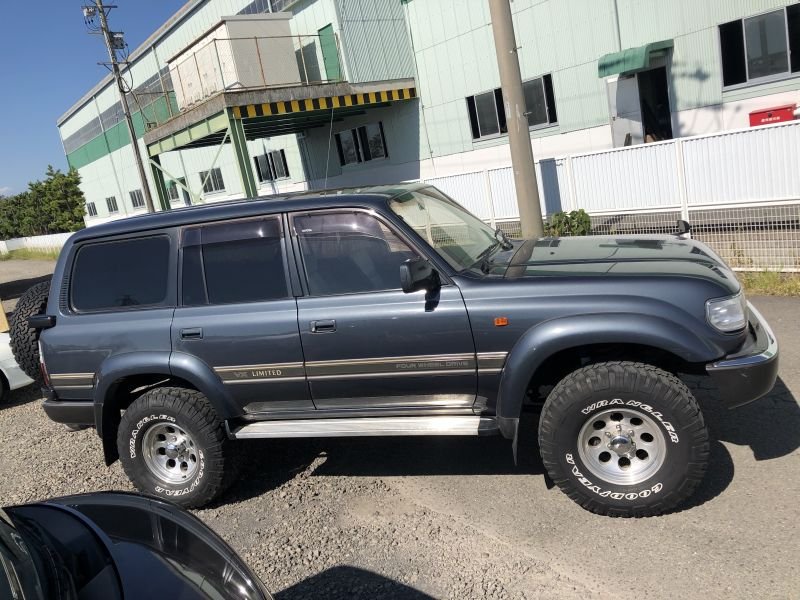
x=157, y=549
x=620, y=255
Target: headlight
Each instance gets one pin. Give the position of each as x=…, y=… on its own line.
x=727, y=314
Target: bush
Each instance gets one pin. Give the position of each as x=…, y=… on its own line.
x=562, y=223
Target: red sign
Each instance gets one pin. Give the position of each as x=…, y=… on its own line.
x=776, y=114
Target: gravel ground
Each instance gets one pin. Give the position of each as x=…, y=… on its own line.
x=453, y=518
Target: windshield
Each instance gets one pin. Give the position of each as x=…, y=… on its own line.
x=459, y=237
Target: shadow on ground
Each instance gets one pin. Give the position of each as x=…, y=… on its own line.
x=350, y=582
x=770, y=426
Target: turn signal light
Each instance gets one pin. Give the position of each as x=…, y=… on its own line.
x=500, y=321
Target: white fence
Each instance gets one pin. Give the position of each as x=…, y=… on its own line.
x=739, y=189
x=54, y=241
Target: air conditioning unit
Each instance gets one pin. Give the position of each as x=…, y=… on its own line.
x=150, y=125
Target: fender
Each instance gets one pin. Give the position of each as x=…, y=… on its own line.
x=188, y=368
x=545, y=339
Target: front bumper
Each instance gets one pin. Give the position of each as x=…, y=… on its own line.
x=750, y=373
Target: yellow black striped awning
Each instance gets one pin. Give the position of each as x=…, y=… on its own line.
x=282, y=107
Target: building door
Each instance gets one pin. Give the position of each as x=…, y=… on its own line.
x=626, y=110
x=654, y=99
x=368, y=346
x=330, y=53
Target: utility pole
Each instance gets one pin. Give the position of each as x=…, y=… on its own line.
x=114, y=42
x=530, y=213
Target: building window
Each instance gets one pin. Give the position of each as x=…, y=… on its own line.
x=91, y=209
x=361, y=144
x=137, y=199
x=761, y=47
x=111, y=203
x=271, y=166
x=172, y=191
x=540, y=101
x=212, y=181
x=487, y=117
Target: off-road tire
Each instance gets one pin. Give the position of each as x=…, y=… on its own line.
x=597, y=392
x=25, y=339
x=191, y=412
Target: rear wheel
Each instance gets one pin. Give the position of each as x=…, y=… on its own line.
x=25, y=339
x=172, y=444
x=624, y=439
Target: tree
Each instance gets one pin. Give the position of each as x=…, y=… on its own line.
x=53, y=205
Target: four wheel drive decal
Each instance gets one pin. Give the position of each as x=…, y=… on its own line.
x=437, y=364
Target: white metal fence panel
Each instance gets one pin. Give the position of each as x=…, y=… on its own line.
x=54, y=241
x=504, y=193
x=750, y=165
x=469, y=189
x=629, y=178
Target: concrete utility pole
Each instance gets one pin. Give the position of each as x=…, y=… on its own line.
x=530, y=213
x=113, y=44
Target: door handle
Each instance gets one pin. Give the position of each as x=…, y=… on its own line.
x=326, y=326
x=193, y=333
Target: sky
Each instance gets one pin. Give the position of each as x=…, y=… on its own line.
x=48, y=61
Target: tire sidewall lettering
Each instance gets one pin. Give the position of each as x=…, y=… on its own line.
x=139, y=425
x=603, y=493
x=645, y=408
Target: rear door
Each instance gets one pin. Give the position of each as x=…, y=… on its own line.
x=238, y=315
x=369, y=346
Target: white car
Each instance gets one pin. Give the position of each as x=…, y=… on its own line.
x=11, y=376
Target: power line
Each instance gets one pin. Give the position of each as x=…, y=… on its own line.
x=115, y=42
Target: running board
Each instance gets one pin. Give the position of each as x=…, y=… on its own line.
x=368, y=426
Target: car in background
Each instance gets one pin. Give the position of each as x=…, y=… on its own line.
x=112, y=545
x=11, y=376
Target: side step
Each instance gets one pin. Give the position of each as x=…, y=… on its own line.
x=368, y=426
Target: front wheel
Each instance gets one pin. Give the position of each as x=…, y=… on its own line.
x=624, y=439
x=172, y=444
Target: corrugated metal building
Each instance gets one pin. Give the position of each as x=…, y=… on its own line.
x=393, y=90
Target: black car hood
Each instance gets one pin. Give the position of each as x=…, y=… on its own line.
x=607, y=255
x=161, y=550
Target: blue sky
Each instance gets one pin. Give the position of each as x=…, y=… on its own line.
x=48, y=61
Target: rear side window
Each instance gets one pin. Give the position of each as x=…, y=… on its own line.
x=121, y=274
x=234, y=263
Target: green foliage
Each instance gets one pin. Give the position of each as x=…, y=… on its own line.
x=31, y=254
x=576, y=222
x=54, y=205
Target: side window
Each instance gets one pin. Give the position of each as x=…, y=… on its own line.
x=349, y=253
x=121, y=274
x=233, y=263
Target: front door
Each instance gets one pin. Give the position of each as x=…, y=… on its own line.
x=238, y=314
x=368, y=346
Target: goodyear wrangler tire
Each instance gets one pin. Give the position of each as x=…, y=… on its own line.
x=172, y=445
x=24, y=339
x=624, y=439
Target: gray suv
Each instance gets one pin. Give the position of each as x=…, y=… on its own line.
x=390, y=311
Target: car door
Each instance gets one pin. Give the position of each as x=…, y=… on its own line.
x=368, y=346
x=238, y=315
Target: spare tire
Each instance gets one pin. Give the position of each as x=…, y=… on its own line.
x=25, y=339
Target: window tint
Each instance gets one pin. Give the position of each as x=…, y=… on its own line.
x=349, y=252
x=126, y=273
x=234, y=262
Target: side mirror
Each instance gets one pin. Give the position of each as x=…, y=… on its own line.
x=418, y=274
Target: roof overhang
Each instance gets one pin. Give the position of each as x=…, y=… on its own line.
x=632, y=60
x=274, y=111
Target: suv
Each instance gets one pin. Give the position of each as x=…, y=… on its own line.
x=390, y=311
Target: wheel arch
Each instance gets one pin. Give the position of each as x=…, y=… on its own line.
x=540, y=352
x=123, y=378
